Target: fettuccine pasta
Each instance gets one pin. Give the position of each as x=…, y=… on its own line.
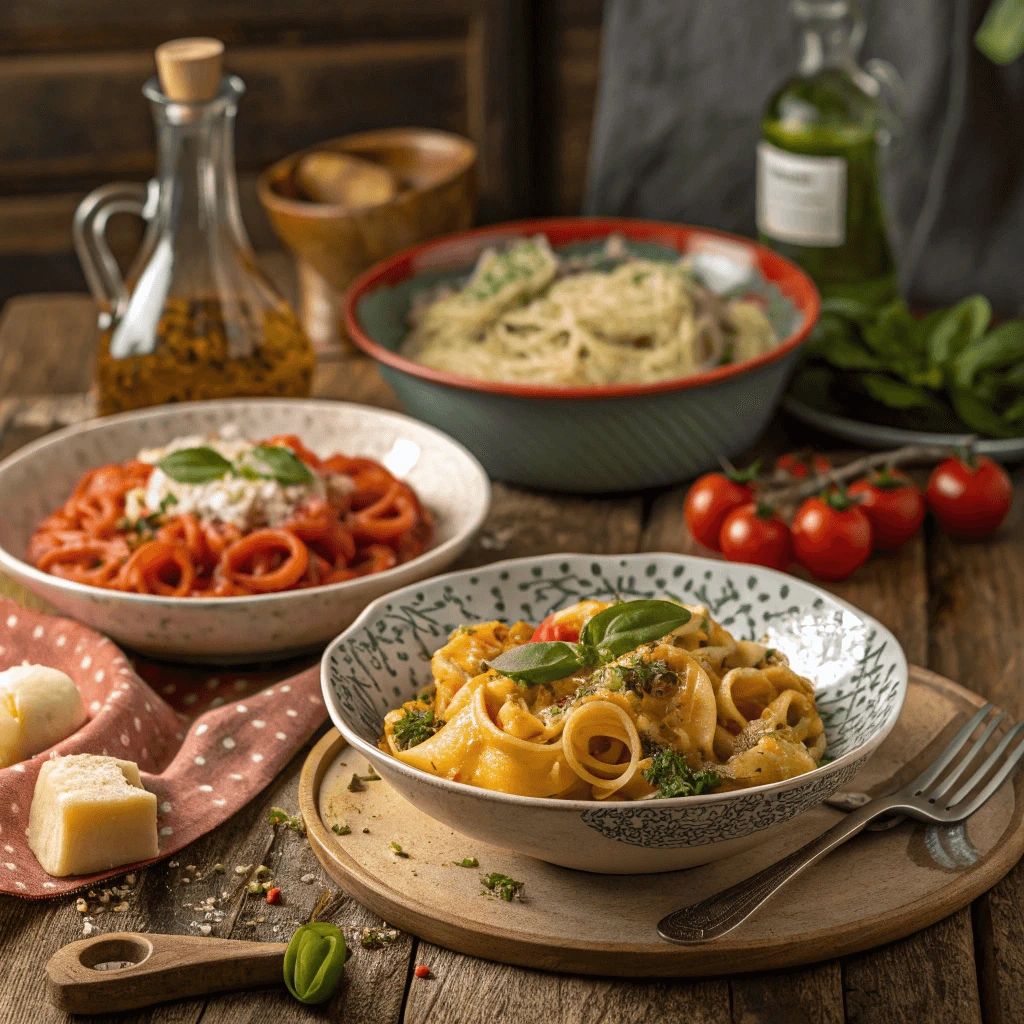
x=526, y=316
x=694, y=712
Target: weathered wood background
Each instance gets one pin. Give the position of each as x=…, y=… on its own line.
x=516, y=76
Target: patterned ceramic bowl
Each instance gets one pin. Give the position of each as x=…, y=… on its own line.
x=38, y=479
x=858, y=667
x=586, y=439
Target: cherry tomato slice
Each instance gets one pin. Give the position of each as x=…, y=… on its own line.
x=758, y=535
x=969, y=499
x=831, y=536
x=711, y=498
x=894, y=505
x=549, y=630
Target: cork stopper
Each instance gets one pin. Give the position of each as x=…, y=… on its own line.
x=190, y=69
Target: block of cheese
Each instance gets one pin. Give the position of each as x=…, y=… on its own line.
x=39, y=706
x=91, y=813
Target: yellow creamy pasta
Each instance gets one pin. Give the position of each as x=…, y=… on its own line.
x=691, y=712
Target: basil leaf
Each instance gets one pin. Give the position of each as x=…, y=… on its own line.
x=895, y=393
x=851, y=309
x=624, y=627
x=1000, y=348
x=1001, y=36
x=541, y=662
x=833, y=341
x=276, y=462
x=959, y=327
x=195, y=465
x=978, y=416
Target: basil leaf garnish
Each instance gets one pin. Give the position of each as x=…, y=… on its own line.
x=275, y=462
x=617, y=630
x=624, y=627
x=195, y=465
x=541, y=662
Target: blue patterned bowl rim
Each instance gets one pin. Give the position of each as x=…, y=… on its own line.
x=897, y=674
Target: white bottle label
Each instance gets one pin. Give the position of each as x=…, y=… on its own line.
x=801, y=199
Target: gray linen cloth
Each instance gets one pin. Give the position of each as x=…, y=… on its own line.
x=682, y=89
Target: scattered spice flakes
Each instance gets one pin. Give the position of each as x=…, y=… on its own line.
x=396, y=849
x=81, y=906
x=243, y=869
x=377, y=938
x=218, y=868
x=366, y=831
x=205, y=929
x=121, y=907
x=422, y=971
x=501, y=886
x=274, y=895
x=341, y=830
x=308, y=879
x=466, y=862
x=278, y=816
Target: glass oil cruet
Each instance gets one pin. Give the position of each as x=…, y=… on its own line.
x=824, y=131
x=194, y=318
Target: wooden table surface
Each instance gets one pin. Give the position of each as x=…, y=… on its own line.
x=956, y=607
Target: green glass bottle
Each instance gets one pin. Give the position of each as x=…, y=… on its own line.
x=818, y=196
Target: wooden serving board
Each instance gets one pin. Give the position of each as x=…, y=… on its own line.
x=878, y=887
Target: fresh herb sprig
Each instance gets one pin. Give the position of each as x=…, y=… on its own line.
x=608, y=635
x=505, y=888
x=671, y=776
x=414, y=727
x=203, y=464
x=950, y=372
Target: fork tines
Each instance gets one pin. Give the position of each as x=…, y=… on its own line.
x=934, y=783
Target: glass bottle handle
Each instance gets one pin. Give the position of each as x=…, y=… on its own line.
x=90, y=234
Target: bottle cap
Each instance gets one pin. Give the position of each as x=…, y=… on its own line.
x=190, y=69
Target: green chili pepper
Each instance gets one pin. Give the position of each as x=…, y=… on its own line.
x=314, y=961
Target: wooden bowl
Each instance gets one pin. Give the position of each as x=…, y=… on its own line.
x=333, y=243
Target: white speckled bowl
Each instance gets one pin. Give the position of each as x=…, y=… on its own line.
x=857, y=665
x=40, y=477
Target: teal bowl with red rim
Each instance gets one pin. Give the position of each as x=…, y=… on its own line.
x=587, y=439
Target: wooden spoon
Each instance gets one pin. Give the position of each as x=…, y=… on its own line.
x=127, y=970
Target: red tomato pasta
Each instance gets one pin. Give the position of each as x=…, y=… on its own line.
x=276, y=518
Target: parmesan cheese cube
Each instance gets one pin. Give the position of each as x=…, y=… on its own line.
x=91, y=813
x=39, y=706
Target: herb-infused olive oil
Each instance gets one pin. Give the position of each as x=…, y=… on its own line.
x=818, y=197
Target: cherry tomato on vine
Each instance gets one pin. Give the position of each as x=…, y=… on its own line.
x=799, y=465
x=894, y=505
x=757, y=534
x=711, y=498
x=969, y=498
x=549, y=629
x=831, y=536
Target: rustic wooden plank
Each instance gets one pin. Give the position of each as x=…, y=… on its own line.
x=929, y=976
x=477, y=992
x=811, y=995
x=977, y=591
x=33, y=25
x=415, y=82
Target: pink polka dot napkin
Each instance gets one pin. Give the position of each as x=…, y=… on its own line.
x=201, y=771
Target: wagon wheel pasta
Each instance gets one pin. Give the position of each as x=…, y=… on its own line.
x=277, y=517
x=696, y=711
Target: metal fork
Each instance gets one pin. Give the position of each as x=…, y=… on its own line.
x=931, y=798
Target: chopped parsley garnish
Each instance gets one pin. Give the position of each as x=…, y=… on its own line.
x=282, y=817
x=824, y=760
x=356, y=783
x=377, y=938
x=502, y=886
x=396, y=849
x=466, y=862
x=341, y=830
x=415, y=727
x=641, y=676
x=671, y=776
